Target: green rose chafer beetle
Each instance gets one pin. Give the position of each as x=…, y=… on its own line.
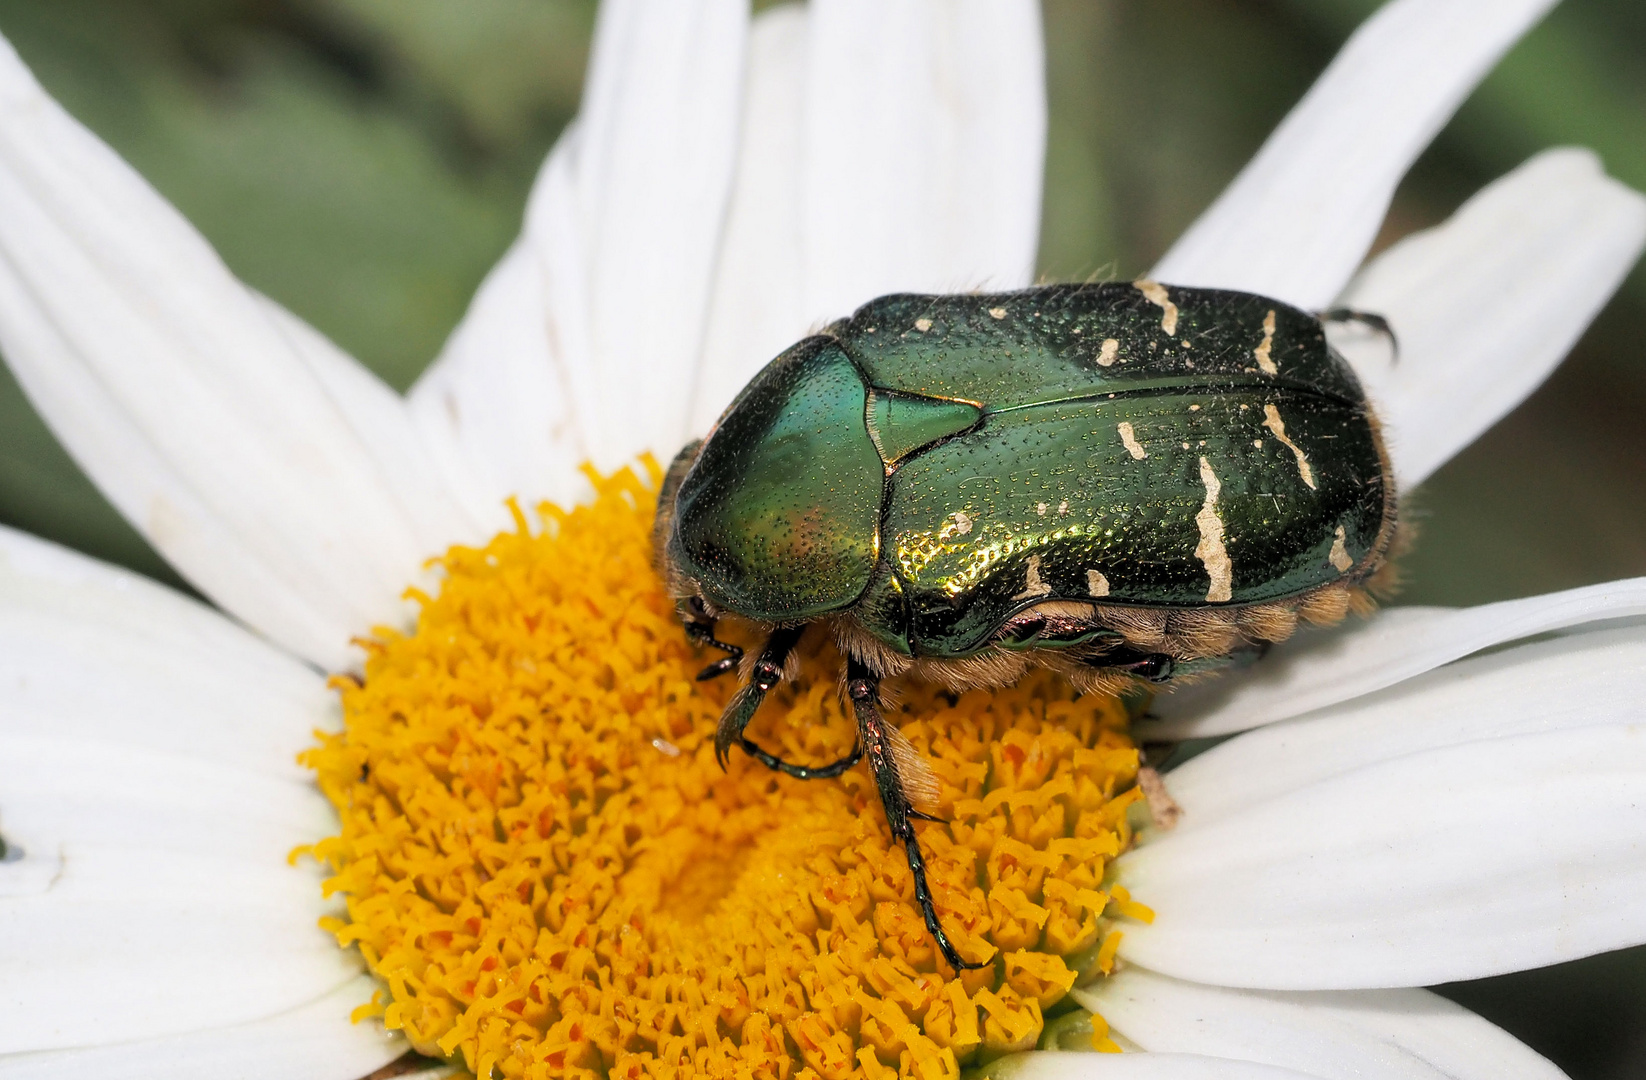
x=1119, y=481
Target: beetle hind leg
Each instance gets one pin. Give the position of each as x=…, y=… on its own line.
x=1151, y=666
x=875, y=741
x=1377, y=324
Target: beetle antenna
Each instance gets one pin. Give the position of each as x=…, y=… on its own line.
x=863, y=687
x=700, y=628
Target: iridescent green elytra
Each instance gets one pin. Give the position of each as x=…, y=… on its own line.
x=1113, y=478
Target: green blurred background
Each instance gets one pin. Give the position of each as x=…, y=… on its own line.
x=365, y=162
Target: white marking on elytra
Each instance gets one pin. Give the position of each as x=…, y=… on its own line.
x=1211, y=551
x=1128, y=437
x=1041, y=508
x=961, y=524
x=1155, y=293
x=1096, y=584
x=923, y=325
x=1264, y=363
x=1272, y=421
x=1340, y=552
x=1063, y=508
x=1107, y=353
x=1032, y=585
x=1194, y=408
x=997, y=313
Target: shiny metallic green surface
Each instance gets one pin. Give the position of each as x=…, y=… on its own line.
x=1047, y=344
x=778, y=519
x=1057, y=482
x=977, y=455
x=900, y=424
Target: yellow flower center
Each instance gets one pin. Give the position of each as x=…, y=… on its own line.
x=553, y=877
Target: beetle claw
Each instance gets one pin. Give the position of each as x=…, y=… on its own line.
x=768, y=672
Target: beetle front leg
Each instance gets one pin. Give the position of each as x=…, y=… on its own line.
x=863, y=687
x=700, y=628
x=767, y=673
x=802, y=772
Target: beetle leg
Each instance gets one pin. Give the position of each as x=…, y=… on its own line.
x=802, y=772
x=767, y=673
x=1155, y=667
x=863, y=687
x=700, y=628
x=1373, y=322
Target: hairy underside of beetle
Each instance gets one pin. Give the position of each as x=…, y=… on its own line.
x=1183, y=634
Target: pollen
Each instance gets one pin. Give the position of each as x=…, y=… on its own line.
x=551, y=876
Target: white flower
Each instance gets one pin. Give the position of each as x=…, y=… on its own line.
x=723, y=189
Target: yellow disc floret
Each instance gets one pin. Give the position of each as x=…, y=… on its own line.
x=551, y=875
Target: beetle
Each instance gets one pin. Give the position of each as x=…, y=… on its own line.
x=1124, y=482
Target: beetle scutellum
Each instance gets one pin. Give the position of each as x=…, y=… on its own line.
x=1116, y=481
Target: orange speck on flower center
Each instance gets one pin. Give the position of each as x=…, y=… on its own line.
x=551, y=875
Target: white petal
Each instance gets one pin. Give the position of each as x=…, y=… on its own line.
x=604, y=301
x=436, y=494
x=1298, y=219
x=133, y=941
x=1056, y=1065
x=1317, y=670
x=200, y=414
x=95, y=655
x=495, y=402
x=1346, y=1035
x=147, y=775
x=885, y=147
x=756, y=310
x=924, y=141
x=1454, y=863
x=314, y=1041
x=1487, y=304
x=1573, y=681
x=61, y=791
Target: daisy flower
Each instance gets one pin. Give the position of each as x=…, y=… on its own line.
x=1405, y=807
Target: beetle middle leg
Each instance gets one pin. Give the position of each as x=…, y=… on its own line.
x=875, y=740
